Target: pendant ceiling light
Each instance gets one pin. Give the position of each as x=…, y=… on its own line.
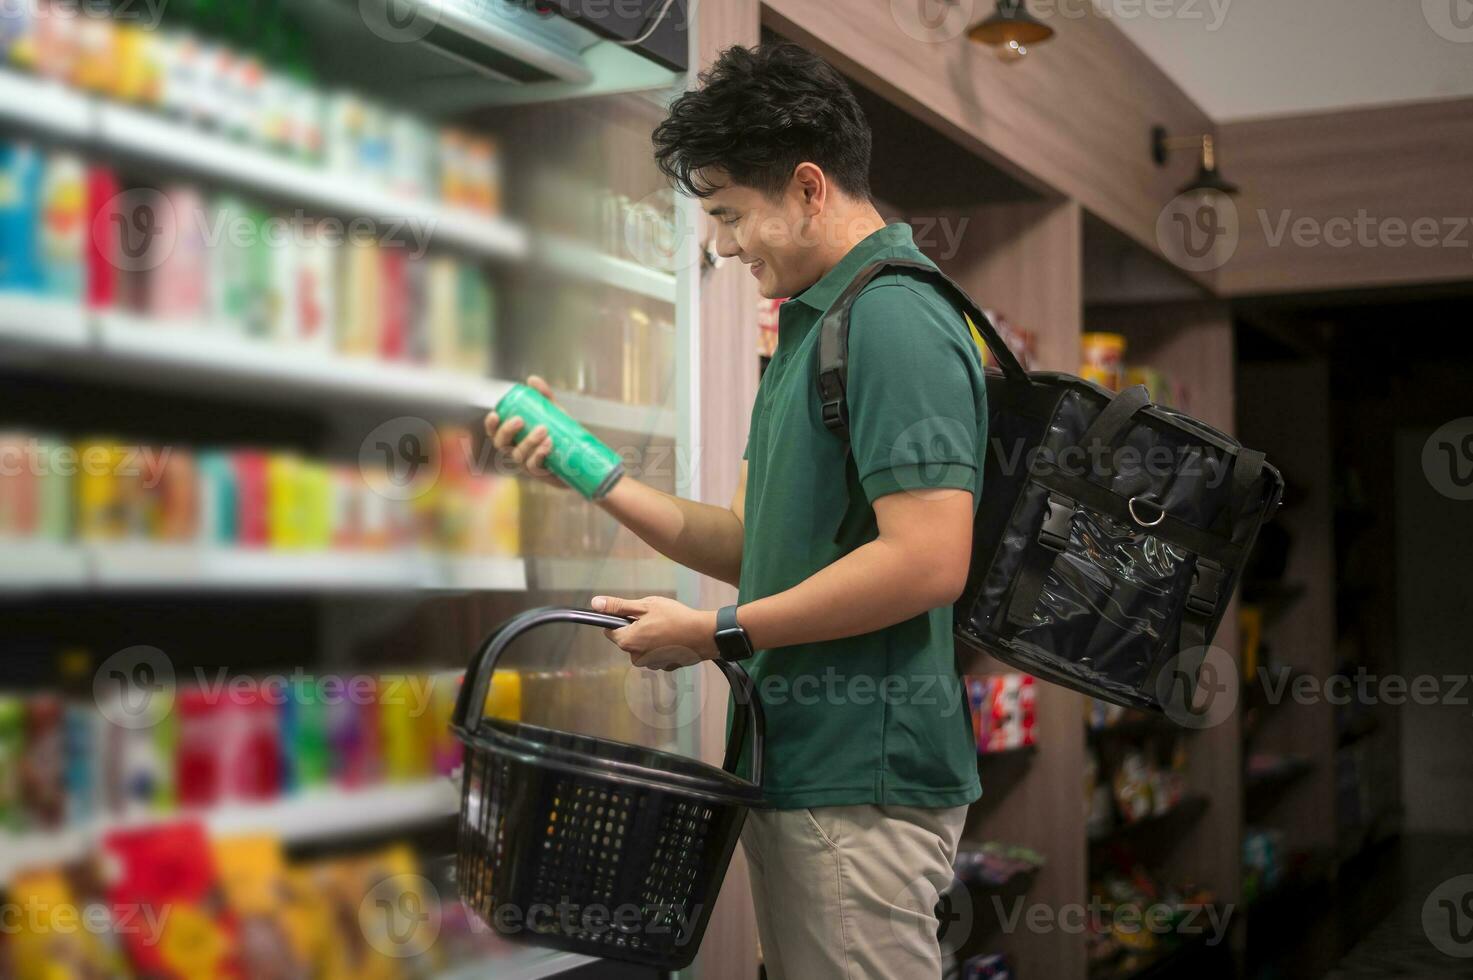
x=1011, y=30
x=1208, y=179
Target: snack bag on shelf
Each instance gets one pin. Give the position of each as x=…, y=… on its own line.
x=365, y=925
x=166, y=875
x=1133, y=787
x=1013, y=697
x=979, y=699
x=1104, y=355
x=42, y=949
x=253, y=878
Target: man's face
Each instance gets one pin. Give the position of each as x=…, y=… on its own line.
x=769, y=234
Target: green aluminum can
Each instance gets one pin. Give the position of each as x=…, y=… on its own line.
x=577, y=457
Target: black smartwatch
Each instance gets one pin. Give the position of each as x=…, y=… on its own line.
x=731, y=640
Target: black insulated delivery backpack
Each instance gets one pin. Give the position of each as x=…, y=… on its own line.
x=1111, y=532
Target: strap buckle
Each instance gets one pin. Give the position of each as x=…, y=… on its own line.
x=1054, y=532
x=835, y=410
x=1206, y=581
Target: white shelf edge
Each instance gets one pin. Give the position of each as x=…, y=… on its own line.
x=145, y=565
x=222, y=352
x=44, y=104
x=577, y=259
x=42, y=321
x=299, y=818
x=27, y=564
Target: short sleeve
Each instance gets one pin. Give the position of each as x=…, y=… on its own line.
x=917, y=405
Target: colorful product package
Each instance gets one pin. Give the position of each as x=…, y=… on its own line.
x=12, y=748
x=249, y=747
x=305, y=762
x=41, y=949
x=64, y=230
x=252, y=873
x=21, y=171
x=43, y=767
x=168, y=871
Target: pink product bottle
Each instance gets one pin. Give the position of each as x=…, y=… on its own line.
x=179, y=278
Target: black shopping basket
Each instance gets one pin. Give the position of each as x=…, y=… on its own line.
x=591, y=845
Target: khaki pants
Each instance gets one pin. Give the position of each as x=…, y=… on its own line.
x=849, y=892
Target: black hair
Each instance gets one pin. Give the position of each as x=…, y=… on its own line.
x=758, y=113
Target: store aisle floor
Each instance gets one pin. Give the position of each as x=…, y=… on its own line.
x=1400, y=946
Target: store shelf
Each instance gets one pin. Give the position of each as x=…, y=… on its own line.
x=40, y=565
x=41, y=321
x=317, y=815
x=584, y=261
x=214, y=354
x=604, y=413
x=128, y=566
x=142, y=566
x=118, y=345
x=148, y=136
x=616, y=575
x=43, y=105
x=1154, y=825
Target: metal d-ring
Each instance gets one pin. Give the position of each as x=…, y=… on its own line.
x=1136, y=517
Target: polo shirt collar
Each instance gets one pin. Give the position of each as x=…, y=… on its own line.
x=821, y=295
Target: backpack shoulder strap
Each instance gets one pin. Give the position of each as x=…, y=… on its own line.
x=833, y=338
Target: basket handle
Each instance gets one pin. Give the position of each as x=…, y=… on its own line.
x=470, y=703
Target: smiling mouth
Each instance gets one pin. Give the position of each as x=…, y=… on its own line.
x=757, y=267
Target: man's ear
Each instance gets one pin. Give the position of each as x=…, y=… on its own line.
x=812, y=185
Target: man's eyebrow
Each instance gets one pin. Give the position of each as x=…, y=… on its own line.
x=720, y=211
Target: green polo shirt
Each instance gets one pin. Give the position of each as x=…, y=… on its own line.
x=882, y=717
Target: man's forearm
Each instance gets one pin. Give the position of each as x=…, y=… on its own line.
x=876, y=585
x=704, y=537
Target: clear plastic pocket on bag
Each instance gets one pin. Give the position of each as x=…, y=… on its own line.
x=1110, y=600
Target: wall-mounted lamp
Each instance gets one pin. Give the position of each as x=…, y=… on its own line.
x=1011, y=30
x=1207, y=179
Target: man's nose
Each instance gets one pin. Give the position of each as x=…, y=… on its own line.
x=726, y=244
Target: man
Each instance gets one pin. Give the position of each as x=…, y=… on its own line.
x=846, y=568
